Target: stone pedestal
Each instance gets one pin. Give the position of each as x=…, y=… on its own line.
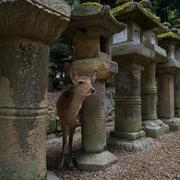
x=166, y=101
x=25, y=32
x=153, y=126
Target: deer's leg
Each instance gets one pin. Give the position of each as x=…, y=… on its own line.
x=65, y=143
x=70, y=163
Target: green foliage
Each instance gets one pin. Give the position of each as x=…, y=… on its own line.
x=109, y=2
x=167, y=10
x=60, y=49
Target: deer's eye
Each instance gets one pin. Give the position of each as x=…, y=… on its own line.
x=80, y=82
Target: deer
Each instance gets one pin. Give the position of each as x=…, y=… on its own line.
x=68, y=106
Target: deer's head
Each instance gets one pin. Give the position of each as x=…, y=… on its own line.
x=83, y=84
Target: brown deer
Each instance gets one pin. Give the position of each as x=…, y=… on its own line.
x=68, y=107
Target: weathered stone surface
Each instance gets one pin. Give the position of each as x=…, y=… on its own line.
x=177, y=95
x=136, y=12
x=149, y=92
x=27, y=27
x=173, y=123
x=148, y=84
x=130, y=145
x=23, y=109
x=155, y=128
x=127, y=135
x=147, y=4
x=128, y=103
x=165, y=96
x=52, y=122
x=40, y=20
x=132, y=52
x=94, y=15
x=169, y=36
x=170, y=67
x=167, y=88
x=51, y=176
x=95, y=161
x=150, y=41
x=93, y=120
x=103, y=66
x=91, y=27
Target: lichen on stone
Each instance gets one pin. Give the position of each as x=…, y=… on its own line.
x=168, y=35
x=87, y=8
x=118, y=10
x=97, y=5
x=115, y=11
x=149, y=14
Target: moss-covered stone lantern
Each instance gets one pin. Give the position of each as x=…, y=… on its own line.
x=153, y=126
x=131, y=55
x=166, y=74
x=176, y=30
x=91, y=26
x=27, y=28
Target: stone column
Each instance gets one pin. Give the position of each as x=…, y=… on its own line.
x=93, y=124
x=153, y=126
x=149, y=93
x=91, y=26
x=166, y=96
x=94, y=154
x=177, y=95
x=177, y=85
x=166, y=101
x=128, y=121
x=25, y=32
x=168, y=89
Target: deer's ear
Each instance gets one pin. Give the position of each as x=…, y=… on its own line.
x=93, y=76
x=73, y=75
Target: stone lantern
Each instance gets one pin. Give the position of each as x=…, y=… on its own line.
x=131, y=55
x=27, y=28
x=176, y=30
x=153, y=126
x=166, y=73
x=91, y=26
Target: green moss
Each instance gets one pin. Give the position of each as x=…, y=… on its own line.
x=97, y=5
x=149, y=14
x=169, y=35
x=86, y=9
x=117, y=9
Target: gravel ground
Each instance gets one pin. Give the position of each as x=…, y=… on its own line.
x=160, y=162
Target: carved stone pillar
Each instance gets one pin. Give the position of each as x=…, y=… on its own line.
x=153, y=126
x=91, y=26
x=128, y=123
x=168, y=88
x=27, y=28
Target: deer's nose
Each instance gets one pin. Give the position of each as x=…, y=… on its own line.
x=93, y=90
